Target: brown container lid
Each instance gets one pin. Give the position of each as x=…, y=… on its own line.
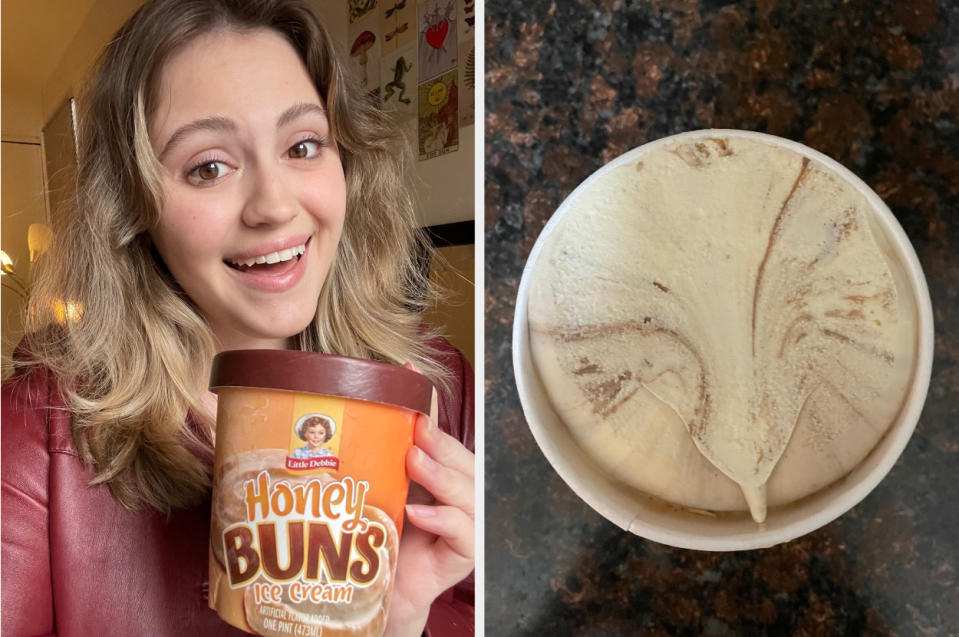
x=322, y=374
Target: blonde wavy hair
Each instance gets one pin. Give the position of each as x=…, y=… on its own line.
x=133, y=367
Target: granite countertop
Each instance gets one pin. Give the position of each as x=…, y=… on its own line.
x=572, y=84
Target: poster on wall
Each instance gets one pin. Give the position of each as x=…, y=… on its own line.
x=398, y=77
x=466, y=20
x=360, y=8
x=467, y=100
x=437, y=37
x=438, y=129
x=365, y=42
x=465, y=29
x=398, y=24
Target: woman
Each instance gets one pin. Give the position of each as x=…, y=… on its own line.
x=315, y=432
x=234, y=191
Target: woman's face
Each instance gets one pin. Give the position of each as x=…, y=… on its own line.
x=315, y=435
x=254, y=195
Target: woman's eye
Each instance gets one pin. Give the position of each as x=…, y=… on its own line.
x=306, y=149
x=208, y=171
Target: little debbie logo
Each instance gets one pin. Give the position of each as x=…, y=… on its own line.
x=312, y=463
x=319, y=432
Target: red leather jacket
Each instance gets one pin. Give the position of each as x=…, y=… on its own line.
x=74, y=562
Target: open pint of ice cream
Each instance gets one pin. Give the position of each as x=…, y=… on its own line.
x=309, y=488
x=722, y=340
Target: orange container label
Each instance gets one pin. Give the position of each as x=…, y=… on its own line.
x=308, y=501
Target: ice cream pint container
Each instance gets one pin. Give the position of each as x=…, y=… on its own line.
x=309, y=489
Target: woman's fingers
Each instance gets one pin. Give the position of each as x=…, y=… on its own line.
x=448, y=522
x=443, y=448
x=448, y=485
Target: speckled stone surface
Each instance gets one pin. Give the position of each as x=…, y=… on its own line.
x=572, y=84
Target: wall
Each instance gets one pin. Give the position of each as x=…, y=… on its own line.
x=103, y=20
x=22, y=192
x=444, y=185
x=35, y=36
x=22, y=119
x=452, y=271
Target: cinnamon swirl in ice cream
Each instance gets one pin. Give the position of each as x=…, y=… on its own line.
x=721, y=325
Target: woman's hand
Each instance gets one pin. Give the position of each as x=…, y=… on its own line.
x=438, y=537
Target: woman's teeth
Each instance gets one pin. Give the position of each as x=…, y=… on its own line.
x=273, y=257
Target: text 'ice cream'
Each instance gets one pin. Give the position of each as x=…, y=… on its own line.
x=720, y=324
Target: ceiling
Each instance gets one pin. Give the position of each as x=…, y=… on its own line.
x=35, y=34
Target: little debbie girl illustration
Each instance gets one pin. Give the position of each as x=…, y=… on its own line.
x=315, y=431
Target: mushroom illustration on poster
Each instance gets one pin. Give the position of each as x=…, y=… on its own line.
x=399, y=24
x=360, y=8
x=437, y=37
x=438, y=132
x=398, y=77
x=365, y=46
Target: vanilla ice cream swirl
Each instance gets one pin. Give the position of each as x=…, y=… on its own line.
x=720, y=324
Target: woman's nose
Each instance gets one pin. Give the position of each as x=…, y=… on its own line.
x=269, y=201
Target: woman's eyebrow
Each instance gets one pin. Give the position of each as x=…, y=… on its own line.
x=215, y=123
x=218, y=123
x=298, y=110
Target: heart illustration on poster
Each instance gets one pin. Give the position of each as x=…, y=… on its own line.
x=436, y=34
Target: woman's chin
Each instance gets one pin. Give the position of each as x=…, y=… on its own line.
x=268, y=332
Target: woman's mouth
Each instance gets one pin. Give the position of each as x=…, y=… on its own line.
x=272, y=263
x=274, y=271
